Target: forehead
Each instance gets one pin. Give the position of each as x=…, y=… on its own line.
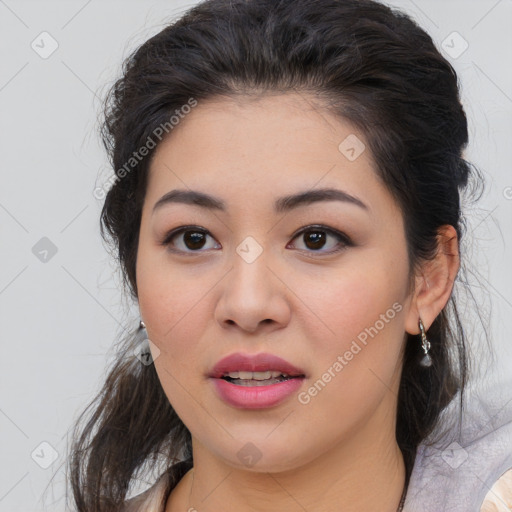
x=261, y=146
x=290, y=125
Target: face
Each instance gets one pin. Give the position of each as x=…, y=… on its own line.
x=322, y=283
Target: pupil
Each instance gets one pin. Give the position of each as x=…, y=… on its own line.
x=194, y=239
x=317, y=238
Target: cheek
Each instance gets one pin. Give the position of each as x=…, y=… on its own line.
x=176, y=311
x=361, y=311
x=172, y=304
x=355, y=364
x=175, y=317
x=355, y=300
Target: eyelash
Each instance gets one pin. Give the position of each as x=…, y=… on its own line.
x=343, y=240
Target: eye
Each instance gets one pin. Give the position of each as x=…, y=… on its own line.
x=317, y=237
x=193, y=240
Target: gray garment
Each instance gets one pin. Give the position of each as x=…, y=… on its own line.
x=154, y=499
x=456, y=474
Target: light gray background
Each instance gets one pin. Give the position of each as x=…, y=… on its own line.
x=59, y=318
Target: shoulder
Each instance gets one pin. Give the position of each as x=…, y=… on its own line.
x=154, y=498
x=473, y=472
x=499, y=497
x=150, y=500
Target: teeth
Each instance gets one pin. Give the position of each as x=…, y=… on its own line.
x=255, y=375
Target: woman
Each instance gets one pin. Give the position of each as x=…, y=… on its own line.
x=286, y=214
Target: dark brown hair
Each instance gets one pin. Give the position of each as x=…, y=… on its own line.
x=365, y=62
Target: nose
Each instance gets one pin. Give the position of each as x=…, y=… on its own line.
x=253, y=297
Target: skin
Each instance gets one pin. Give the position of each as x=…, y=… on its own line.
x=294, y=300
x=499, y=497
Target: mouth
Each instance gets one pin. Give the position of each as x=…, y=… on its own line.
x=255, y=370
x=259, y=381
x=258, y=378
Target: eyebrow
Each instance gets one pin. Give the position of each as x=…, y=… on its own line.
x=281, y=205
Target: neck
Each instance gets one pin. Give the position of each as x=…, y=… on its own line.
x=365, y=472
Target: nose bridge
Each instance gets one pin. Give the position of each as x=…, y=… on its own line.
x=250, y=280
x=251, y=294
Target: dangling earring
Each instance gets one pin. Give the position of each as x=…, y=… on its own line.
x=142, y=351
x=142, y=334
x=425, y=345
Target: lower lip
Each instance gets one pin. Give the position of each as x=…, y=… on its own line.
x=256, y=397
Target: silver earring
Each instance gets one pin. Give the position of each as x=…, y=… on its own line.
x=142, y=351
x=142, y=334
x=425, y=345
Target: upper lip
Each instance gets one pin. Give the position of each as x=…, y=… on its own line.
x=254, y=363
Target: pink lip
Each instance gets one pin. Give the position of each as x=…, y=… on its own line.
x=255, y=397
x=254, y=363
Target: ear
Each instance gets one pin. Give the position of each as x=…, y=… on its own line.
x=434, y=284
